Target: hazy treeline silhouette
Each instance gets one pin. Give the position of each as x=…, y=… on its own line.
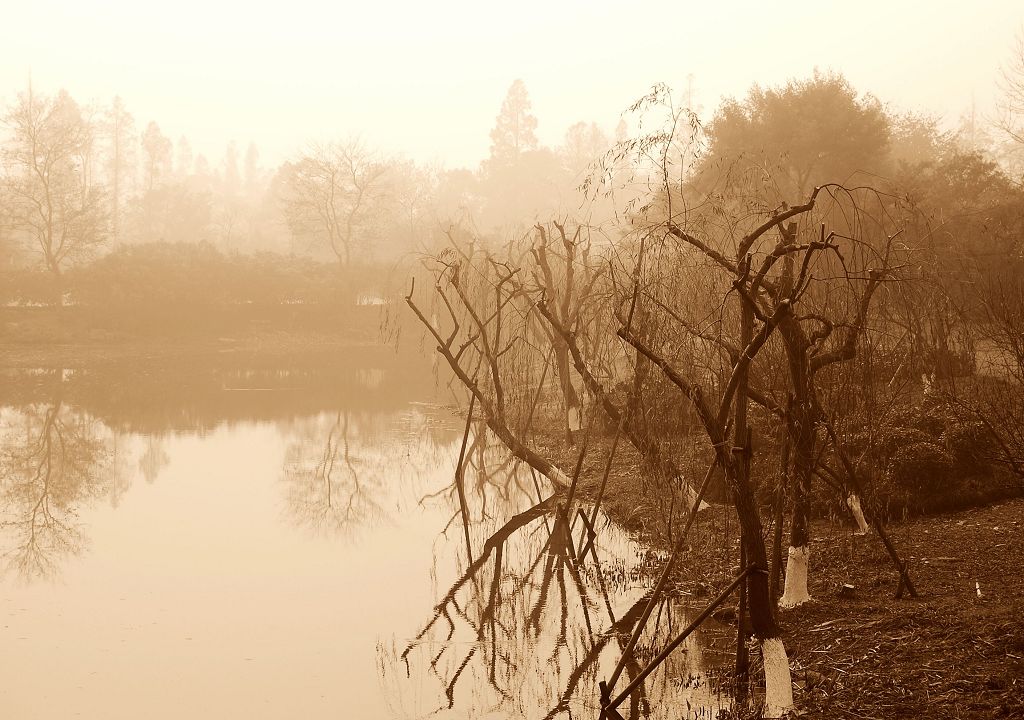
x=98, y=209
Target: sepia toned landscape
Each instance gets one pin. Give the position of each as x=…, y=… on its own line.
x=553, y=361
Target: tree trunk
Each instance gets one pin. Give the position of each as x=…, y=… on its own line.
x=778, y=513
x=573, y=407
x=778, y=682
x=761, y=603
x=853, y=502
x=795, y=592
x=58, y=286
x=777, y=678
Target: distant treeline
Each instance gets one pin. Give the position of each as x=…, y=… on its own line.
x=170, y=287
x=175, y=275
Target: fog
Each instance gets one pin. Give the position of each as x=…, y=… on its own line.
x=547, y=360
x=425, y=80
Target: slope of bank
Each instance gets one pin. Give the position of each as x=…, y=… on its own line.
x=957, y=651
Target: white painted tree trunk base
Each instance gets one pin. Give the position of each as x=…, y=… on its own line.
x=795, y=592
x=858, y=514
x=575, y=419
x=559, y=478
x=778, y=683
x=691, y=496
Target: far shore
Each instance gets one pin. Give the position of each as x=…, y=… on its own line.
x=281, y=346
x=77, y=337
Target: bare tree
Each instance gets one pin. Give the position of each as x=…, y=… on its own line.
x=334, y=196
x=1010, y=108
x=53, y=203
x=559, y=256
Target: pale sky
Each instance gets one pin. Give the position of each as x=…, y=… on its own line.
x=426, y=79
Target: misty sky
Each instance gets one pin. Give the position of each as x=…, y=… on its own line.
x=427, y=78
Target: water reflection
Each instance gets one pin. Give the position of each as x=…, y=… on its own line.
x=342, y=468
x=167, y=395
x=53, y=459
x=305, y=543
x=328, y=487
x=153, y=459
x=66, y=436
x=529, y=625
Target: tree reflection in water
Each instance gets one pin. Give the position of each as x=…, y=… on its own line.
x=153, y=459
x=342, y=468
x=53, y=459
x=528, y=627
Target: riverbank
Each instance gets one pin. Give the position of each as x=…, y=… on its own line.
x=857, y=652
x=46, y=337
x=82, y=333
x=169, y=385
x=213, y=350
x=957, y=651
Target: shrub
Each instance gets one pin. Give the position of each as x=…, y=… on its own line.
x=929, y=458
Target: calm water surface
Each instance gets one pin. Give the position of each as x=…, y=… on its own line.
x=268, y=542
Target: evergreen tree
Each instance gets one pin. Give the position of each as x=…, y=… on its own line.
x=513, y=132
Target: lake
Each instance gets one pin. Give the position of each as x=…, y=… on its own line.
x=257, y=539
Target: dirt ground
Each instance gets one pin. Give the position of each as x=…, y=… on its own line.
x=955, y=652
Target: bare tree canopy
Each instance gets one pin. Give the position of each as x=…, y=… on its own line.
x=335, y=195
x=48, y=158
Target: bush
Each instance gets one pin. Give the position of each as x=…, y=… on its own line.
x=928, y=459
x=27, y=287
x=164, y=278
x=174, y=288
x=176, y=275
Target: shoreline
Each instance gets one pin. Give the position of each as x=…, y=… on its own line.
x=282, y=345
x=861, y=653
